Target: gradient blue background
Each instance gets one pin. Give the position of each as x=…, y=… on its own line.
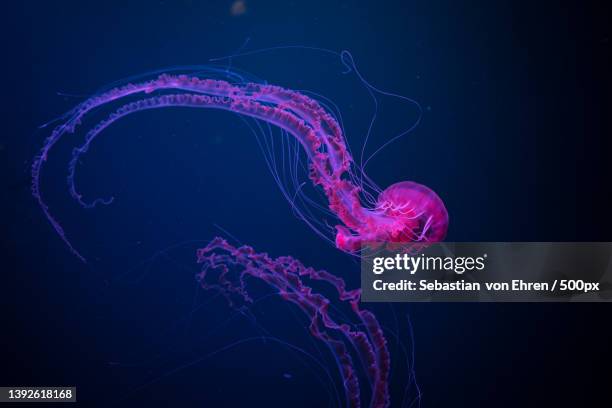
x=513, y=139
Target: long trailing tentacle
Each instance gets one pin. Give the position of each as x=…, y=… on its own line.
x=316, y=130
x=286, y=275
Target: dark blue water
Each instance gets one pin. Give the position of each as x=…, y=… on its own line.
x=513, y=139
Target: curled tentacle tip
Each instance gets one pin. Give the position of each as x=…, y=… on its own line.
x=93, y=204
x=346, y=241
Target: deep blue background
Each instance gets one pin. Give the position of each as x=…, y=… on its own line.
x=516, y=99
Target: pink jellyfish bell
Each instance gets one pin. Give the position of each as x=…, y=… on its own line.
x=418, y=214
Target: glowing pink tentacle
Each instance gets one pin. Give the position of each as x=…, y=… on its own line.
x=285, y=275
x=304, y=118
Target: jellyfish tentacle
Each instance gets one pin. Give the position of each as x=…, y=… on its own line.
x=330, y=163
x=286, y=275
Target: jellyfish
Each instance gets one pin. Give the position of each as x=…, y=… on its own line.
x=404, y=212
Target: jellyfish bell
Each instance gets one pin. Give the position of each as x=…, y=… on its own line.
x=418, y=210
x=405, y=212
